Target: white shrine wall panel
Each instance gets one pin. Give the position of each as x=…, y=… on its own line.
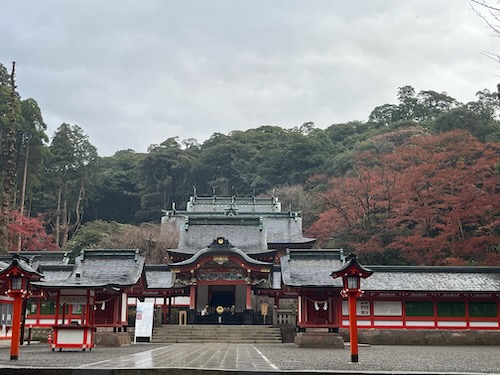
x=420, y=323
x=394, y=323
x=451, y=324
x=483, y=324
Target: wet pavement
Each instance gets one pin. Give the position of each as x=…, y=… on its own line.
x=264, y=358
x=207, y=356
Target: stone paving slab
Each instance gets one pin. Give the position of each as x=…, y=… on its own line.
x=247, y=358
x=207, y=356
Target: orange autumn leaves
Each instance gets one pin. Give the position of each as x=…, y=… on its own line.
x=433, y=201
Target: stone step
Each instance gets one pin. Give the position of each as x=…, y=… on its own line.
x=262, y=336
x=216, y=333
x=203, y=341
x=216, y=326
x=231, y=338
x=216, y=339
x=232, y=334
x=203, y=332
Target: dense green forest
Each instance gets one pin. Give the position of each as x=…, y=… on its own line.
x=417, y=183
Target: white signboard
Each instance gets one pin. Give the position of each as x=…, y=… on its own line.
x=144, y=320
x=73, y=300
x=387, y=308
x=362, y=308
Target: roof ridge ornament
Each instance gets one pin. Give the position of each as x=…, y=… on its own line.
x=220, y=243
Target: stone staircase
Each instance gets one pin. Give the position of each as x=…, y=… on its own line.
x=198, y=333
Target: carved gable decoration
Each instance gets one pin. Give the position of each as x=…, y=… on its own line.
x=225, y=276
x=220, y=259
x=221, y=268
x=221, y=262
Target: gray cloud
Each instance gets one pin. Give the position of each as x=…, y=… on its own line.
x=133, y=73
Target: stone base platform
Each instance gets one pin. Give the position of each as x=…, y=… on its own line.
x=425, y=337
x=319, y=340
x=105, y=338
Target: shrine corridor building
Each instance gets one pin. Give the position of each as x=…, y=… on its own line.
x=245, y=261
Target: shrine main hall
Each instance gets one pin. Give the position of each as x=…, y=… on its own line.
x=245, y=261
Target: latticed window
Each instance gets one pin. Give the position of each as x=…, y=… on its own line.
x=419, y=308
x=483, y=309
x=47, y=307
x=451, y=308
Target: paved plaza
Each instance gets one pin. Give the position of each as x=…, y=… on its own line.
x=265, y=358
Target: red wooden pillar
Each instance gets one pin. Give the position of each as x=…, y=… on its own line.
x=300, y=312
x=164, y=315
x=169, y=316
x=192, y=297
x=248, y=303
x=89, y=310
x=16, y=326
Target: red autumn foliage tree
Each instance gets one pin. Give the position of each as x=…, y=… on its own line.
x=432, y=201
x=31, y=232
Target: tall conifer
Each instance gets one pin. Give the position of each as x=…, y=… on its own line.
x=9, y=165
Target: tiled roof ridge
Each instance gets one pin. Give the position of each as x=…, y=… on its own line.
x=311, y=253
x=238, y=214
x=190, y=251
x=50, y=253
x=89, y=253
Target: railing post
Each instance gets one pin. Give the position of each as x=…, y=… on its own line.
x=248, y=316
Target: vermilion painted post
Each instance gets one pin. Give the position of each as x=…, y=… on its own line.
x=192, y=295
x=353, y=326
x=248, y=302
x=16, y=326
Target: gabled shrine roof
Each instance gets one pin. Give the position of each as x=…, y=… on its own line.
x=249, y=234
x=159, y=277
x=226, y=250
x=312, y=268
x=100, y=268
x=286, y=230
x=39, y=259
x=252, y=224
x=57, y=272
x=16, y=261
x=248, y=238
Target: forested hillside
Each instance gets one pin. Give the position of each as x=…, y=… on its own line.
x=417, y=183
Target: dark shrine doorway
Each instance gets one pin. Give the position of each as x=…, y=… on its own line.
x=221, y=306
x=222, y=295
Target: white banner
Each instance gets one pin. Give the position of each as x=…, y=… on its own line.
x=144, y=314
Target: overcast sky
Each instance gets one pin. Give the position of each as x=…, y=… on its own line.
x=134, y=73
